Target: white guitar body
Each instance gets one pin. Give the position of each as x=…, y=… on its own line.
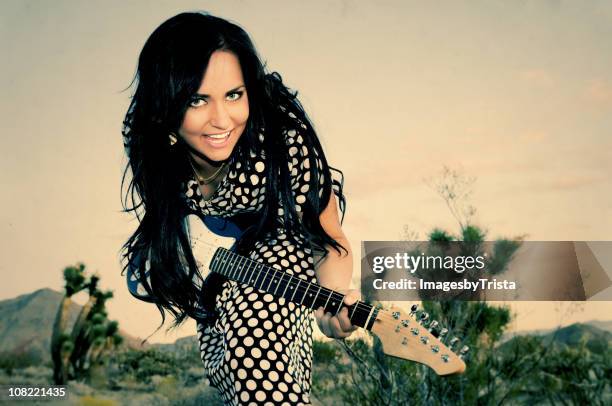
x=204, y=242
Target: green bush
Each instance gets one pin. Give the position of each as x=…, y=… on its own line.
x=145, y=364
x=9, y=361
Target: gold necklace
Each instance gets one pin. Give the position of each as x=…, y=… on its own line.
x=206, y=181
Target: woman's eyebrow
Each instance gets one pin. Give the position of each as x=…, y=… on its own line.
x=228, y=92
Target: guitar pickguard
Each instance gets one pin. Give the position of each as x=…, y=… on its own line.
x=206, y=235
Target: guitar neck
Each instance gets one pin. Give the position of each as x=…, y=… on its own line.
x=283, y=285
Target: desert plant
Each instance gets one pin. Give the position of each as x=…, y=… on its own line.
x=377, y=379
x=77, y=350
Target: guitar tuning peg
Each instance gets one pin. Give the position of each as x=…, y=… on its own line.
x=424, y=317
x=433, y=325
x=413, y=309
x=463, y=352
x=452, y=342
x=443, y=333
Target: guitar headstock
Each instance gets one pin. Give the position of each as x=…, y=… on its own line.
x=403, y=336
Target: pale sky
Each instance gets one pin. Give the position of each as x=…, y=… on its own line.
x=517, y=94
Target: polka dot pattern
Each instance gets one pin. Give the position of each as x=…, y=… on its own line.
x=300, y=168
x=259, y=349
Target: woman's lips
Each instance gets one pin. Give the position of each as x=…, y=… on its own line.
x=218, y=140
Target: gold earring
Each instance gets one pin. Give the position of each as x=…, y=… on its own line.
x=172, y=138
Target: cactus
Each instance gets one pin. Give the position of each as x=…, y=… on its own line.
x=76, y=352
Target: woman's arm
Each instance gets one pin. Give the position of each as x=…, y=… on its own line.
x=337, y=269
x=335, y=273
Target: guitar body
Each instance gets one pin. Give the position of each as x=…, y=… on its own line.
x=205, y=235
x=208, y=233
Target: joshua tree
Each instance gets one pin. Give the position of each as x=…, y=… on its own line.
x=77, y=352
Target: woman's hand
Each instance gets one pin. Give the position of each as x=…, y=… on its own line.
x=338, y=326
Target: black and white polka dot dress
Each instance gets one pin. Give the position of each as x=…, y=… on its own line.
x=259, y=349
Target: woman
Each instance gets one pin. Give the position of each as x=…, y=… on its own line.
x=209, y=132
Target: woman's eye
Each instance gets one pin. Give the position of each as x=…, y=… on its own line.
x=234, y=96
x=197, y=102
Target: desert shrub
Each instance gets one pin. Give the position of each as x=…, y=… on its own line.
x=10, y=361
x=145, y=364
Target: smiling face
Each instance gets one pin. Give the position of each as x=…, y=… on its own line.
x=218, y=113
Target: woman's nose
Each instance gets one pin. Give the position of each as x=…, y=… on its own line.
x=220, y=117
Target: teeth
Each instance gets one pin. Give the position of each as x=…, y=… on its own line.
x=219, y=136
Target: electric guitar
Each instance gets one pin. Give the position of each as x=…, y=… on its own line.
x=212, y=242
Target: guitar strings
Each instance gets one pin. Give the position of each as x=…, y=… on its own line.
x=236, y=260
x=301, y=285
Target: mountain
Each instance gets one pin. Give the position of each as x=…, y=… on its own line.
x=601, y=324
x=604, y=325
x=26, y=324
x=595, y=339
x=182, y=345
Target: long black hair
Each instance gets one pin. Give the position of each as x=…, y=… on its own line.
x=170, y=70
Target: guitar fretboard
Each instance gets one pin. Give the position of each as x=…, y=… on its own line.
x=290, y=287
